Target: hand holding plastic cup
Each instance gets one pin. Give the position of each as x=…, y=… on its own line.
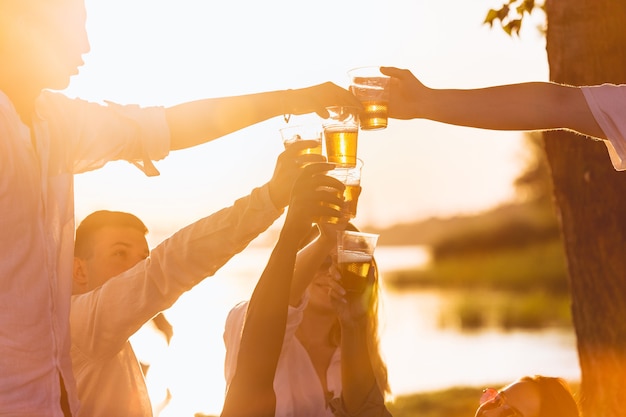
x=351, y=178
x=297, y=133
x=355, y=254
x=341, y=131
x=371, y=87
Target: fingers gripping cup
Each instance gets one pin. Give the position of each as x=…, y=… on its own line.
x=341, y=131
x=355, y=252
x=297, y=133
x=371, y=87
x=351, y=178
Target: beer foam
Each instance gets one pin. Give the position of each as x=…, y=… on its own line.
x=353, y=256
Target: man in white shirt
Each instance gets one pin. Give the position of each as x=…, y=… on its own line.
x=119, y=285
x=46, y=138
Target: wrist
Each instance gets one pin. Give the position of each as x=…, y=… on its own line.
x=276, y=196
x=288, y=104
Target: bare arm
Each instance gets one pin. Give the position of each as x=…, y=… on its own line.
x=251, y=391
x=201, y=121
x=311, y=257
x=523, y=106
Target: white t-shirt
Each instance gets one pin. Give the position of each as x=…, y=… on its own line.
x=607, y=102
x=299, y=392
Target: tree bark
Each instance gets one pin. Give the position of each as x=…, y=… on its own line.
x=586, y=44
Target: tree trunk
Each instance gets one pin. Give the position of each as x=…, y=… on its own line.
x=586, y=44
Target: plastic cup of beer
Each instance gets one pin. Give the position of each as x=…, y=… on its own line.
x=331, y=219
x=292, y=134
x=355, y=253
x=371, y=87
x=351, y=178
x=341, y=132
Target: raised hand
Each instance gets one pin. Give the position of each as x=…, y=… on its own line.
x=407, y=93
x=288, y=167
x=314, y=195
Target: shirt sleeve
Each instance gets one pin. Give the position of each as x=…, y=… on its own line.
x=86, y=135
x=102, y=320
x=607, y=103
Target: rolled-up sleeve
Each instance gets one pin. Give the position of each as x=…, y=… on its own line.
x=86, y=135
x=607, y=103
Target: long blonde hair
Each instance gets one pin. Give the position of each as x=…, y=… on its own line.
x=379, y=366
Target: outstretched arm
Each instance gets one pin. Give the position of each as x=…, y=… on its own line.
x=251, y=392
x=201, y=121
x=523, y=106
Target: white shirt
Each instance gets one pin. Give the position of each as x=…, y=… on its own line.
x=109, y=378
x=299, y=391
x=37, y=233
x=607, y=102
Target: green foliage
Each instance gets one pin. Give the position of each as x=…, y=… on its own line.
x=524, y=287
x=534, y=267
x=453, y=402
x=505, y=310
x=511, y=15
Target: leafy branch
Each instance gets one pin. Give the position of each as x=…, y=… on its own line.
x=511, y=14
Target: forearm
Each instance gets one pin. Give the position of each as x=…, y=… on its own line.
x=204, y=120
x=308, y=262
x=357, y=374
x=250, y=392
x=526, y=106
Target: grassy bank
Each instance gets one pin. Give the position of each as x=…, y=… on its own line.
x=452, y=402
x=508, y=287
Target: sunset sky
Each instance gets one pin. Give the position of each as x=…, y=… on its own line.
x=163, y=52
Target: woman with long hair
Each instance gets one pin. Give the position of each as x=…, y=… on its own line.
x=330, y=363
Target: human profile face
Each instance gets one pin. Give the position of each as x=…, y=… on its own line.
x=47, y=41
x=114, y=250
x=519, y=399
x=319, y=288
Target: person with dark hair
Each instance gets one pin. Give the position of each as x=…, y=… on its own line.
x=46, y=138
x=119, y=284
x=330, y=362
x=597, y=111
x=530, y=396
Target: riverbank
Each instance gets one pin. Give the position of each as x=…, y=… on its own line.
x=452, y=402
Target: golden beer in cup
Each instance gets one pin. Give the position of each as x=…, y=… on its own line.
x=355, y=253
x=351, y=198
x=341, y=133
x=330, y=220
x=371, y=87
x=351, y=178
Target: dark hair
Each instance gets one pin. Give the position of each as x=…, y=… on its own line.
x=557, y=399
x=97, y=220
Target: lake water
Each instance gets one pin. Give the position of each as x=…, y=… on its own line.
x=420, y=355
